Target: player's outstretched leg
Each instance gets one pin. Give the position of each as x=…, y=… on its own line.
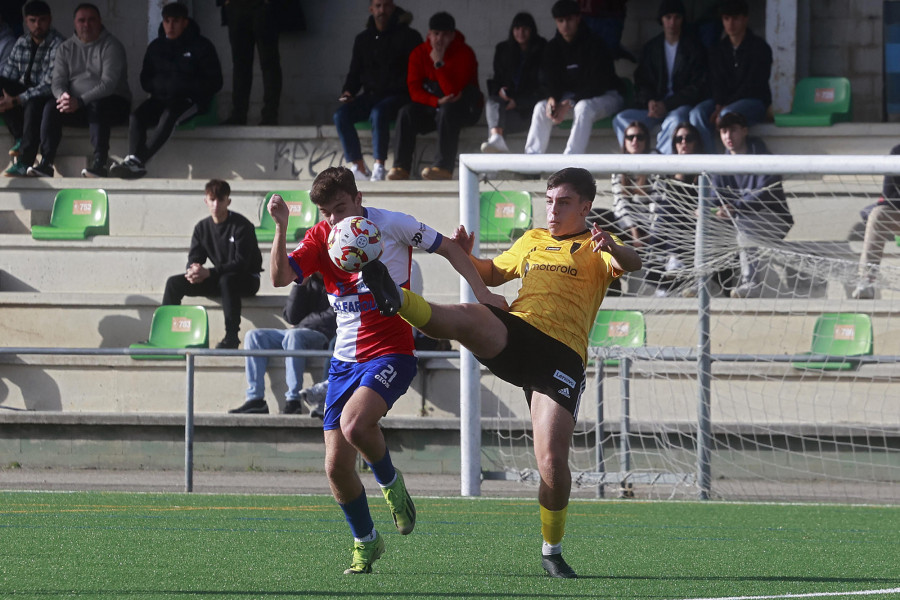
x=556, y=566
x=364, y=554
x=385, y=291
x=401, y=504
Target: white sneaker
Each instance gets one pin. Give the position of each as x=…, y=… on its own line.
x=864, y=292
x=674, y=264
x=747, y=290
x=495, y=145
x=359, y=175
x=378, y=172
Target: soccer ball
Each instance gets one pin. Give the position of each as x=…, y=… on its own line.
x=353, y=243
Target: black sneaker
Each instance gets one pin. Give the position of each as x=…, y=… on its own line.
x=292, y=407
x=130, y=168
x=229, y=342
x=556, y=566
x=251, y=407
x=96, y=170
x=42, y=169
x=384, y=290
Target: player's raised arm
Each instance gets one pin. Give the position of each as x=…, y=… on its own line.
x=485, y=266
x=624, y=257
x=281, y=272
x=459, y=258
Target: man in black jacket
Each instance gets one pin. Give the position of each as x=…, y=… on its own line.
x=181, y=72
x=229, y=241
x=314, y=324
x=378, y=69
x=739, y=69
x=577, y=76
x=670, y=79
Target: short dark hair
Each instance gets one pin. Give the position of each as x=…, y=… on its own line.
x=218, y=188
x=175, y=10
x=578, y=178
x=35, y=8
x=734, y=8
x=523, y=19
x=330, y=182
x=442, y=21
x=669, y=7
x=565, y=8
x=87, y=5
x=732, y=118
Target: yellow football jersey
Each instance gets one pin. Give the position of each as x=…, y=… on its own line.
x=563, y=283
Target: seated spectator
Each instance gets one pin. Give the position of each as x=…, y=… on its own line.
x=513, y=91
x=228, y=240
x=25, y=83
x=314, y=324
x=882, y=225
x=577, y=76
x=606, y=20
x=754, y=203
x=90, y=84
x=443, y=83
x=7, y=40
x=739, y=69
x=181, y=72
x=375, y=87
x=669, y=80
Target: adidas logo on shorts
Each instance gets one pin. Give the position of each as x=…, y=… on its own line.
x=564, y=392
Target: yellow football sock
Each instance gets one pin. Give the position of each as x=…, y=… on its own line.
x=414, y=309
x=553, y=525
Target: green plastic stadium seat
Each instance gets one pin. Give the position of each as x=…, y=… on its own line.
x=175, y=327
x=204, y=119
x=304, y=215
x=818, y=102
x=842, y=335
x=76, y=215
x=504, y=216
x=367, y=125
x=607, y=123
x=625, y=328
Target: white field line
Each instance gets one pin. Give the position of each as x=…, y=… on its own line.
x=812, y=595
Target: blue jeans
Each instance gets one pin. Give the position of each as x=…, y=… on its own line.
x=367, y=107
x=666, y=131
x=753, y=110
x=294, y=366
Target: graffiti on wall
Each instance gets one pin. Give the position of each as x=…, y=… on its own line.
x=307, y=158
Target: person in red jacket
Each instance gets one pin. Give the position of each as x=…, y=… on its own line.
x=443, y=84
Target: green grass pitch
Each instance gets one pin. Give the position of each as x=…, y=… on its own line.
x=135, y=546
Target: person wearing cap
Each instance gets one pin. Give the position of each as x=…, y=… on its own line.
x=578, y=81
x=670, y=79
x=739, y=69
x=755, y=204
x=442, y=79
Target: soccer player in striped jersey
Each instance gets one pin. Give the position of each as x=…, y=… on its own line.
x=540, y=344
x=374, y=361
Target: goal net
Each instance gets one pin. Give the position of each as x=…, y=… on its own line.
x=734, y=365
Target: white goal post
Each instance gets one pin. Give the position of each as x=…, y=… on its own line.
x=472, y=170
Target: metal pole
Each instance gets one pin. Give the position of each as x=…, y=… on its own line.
x=189, y=426
x=469, y=370
x=704, y=359
x=598, y=429
x=625, y=439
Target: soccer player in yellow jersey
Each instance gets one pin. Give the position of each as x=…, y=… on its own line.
x=541, y=343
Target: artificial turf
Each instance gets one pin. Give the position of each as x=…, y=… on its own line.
x=134, y=546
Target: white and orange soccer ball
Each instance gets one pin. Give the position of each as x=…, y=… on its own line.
x=353, y=243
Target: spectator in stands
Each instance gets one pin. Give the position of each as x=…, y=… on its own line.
x=25, y=84
x=253, y=23
x=227, y=239
x=7, y=40
x=754, y=203
x=606, y=20
x=90, y=84
x=577, y=76
x=739, y=69
x=670, y=79
x=513, y=91
x=882, y=224
x=314, y=324
x=443, y=83
x=378, y=68
x=181, y=72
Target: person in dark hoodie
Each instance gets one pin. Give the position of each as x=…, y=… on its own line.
x=754, y=203
x=739, y=69
x=182, y=74
x=375, y=87
x=577, y=79
x=442, y=79
x=513, y=91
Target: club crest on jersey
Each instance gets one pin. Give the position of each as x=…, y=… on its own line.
x=564, y=378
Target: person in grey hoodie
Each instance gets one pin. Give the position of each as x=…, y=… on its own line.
x=90, y=84
x=754, y=203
